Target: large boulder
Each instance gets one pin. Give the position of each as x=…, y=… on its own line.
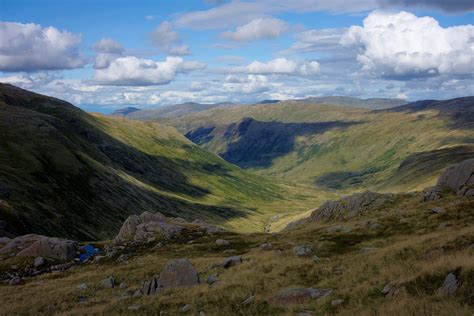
x=61, y=249
x=458, y=178
x=350, y=206
x=155, y=226
x=40, y=246
x=15, y=245
x=177, y=273
x=148, y=225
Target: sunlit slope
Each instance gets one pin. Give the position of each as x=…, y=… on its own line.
x=68, y=173
x=339, y=148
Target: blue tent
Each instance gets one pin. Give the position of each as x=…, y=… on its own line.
x=87, y=252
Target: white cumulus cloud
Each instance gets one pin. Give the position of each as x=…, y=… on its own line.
x=133, y=71
x=261, y=28
x=404, y=45
x=281, y=66
x=30, y=47
x=247, y=84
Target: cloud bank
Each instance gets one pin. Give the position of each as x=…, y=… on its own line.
x=30, y=47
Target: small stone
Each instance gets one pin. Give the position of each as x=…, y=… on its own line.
x=334, y=229
x=123, y=285
x=368, y=250
x=315, y=258
x=298, y=295
x=134, y=307
x=222, y=242
x=393, y=289
x=231, y=261
x=443, y=225
x=82, y=287
x=127, y=294
x=229, y=251
x=303, y=250
x=39, y=261
x=138, y=293
x=15, y=280
x=337, y=302
x=123, y=258
x=266, y=246
x=186, y=308
x=249, y=300
x=212, y=279
x=108, y=282
x=438, y=210
x=318, y=293
x=202, y=313
x=450, y=285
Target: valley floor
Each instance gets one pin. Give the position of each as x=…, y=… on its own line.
x=405, y=243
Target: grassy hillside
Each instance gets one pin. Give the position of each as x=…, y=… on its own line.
x=340, y=148
x=66, y=173
x=411, y=247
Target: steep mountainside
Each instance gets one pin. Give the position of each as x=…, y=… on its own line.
x=66, y=173
x=400, y=149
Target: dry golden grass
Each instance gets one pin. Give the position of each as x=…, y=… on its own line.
x=417, y=254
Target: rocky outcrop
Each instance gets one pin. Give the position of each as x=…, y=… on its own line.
x=149, y=227
x=350, y=206
x=177, y=273
x=346, y=208
x=458, y=178
x=40, y=246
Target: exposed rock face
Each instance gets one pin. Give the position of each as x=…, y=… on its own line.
x=147, y=226
x=458, y=178
x=177, y=273
x=40, y=246
x=350, y=206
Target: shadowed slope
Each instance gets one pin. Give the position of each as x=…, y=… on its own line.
x=67, y=173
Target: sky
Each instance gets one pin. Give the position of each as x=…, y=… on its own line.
x=102, y=55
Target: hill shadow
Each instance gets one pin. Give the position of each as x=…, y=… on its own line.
x=256, y=143
x=109, y=180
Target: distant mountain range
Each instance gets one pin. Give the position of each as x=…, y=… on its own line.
x=167, y=112
x=184, y=109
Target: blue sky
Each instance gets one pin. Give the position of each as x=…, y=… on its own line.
x=103, y=55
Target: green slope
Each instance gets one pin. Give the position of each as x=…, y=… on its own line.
x=339, y=148
x=68, y=173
